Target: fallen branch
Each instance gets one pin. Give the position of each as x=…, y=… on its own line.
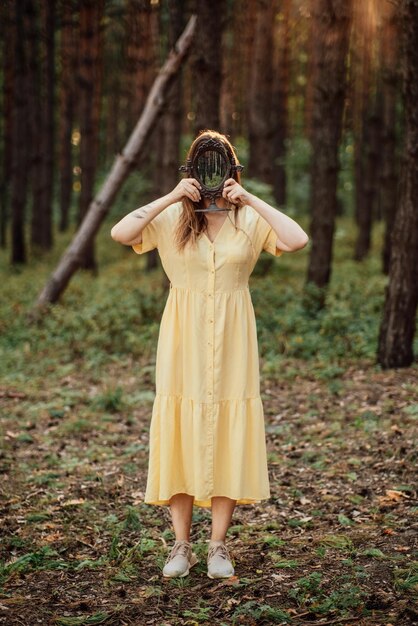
x=99, y=207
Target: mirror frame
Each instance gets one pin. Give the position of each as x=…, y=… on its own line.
x=212, y=145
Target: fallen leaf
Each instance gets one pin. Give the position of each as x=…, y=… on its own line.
x=391, y=495
x=232, y=580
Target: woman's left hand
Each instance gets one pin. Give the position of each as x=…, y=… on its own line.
x=233, y=192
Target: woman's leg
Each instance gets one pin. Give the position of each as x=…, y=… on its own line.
x=181, y=507
x=181, y=557
x=222, y=510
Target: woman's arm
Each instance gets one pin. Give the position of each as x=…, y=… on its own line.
x=128, y=229
x=290, y=236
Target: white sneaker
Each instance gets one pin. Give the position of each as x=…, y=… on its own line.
x=219, y=560
x=180, y=559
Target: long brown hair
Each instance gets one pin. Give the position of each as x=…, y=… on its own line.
x=192, y=224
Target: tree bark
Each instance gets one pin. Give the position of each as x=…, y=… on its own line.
x=49, y=18
x=171, y=121
x=233, y=69
x=369, y=174
x=244, y=56
x=332, y=22
x=312, y=49
x=167, y=149
x=367, y=141
x=140, y=59
x=151, y=163
x=23, y=11
x=389, y=168
x=35, y=122
x=399, y=316
x=260, y=127
x=207, y=64
x=89, y=85
x=142, y=64
x=281, y=77
x=8, y=46
x=42, y=231
x=113, y=115
x=124, y=162
x=114, y=85
x=69, y=63
x=360, y=84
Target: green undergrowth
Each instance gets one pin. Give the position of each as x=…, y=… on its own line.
x=116, y=314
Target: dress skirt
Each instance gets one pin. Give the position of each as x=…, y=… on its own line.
x=207, y=432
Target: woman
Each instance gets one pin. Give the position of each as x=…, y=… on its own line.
x=207, y=436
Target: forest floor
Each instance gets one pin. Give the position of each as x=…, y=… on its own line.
x=335, y=543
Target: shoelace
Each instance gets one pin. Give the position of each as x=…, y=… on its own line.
x=222, y=549
x=178, y=548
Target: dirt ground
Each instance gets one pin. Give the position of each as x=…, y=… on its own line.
x=335, y=544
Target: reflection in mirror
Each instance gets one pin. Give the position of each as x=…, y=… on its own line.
x=211, y=169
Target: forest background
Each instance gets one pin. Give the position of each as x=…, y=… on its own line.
x=319, y=97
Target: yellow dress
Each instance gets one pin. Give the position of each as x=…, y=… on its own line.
x=207, y=432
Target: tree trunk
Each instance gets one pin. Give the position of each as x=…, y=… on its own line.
x=142, y=63
x=69, y=63
x=243, y=55
x=260, y=127
x=360, y=79
x=232, y=66
x=172, y=117
x=90, y=78
x=140, y=60
x=367, y=139
x=389, y=168
x=167, y=149
x=113, y=115
x=150, y=163
x=281, y=77
x=49, y=18
x=207, y=64
x=332, y=25
x=8, y=46
x=114, y=86
x=398, y=324
x=312, y=67
x=35, y=121
x=99, y=207
x=42, y=232
x=23, y=12
x=372, y=138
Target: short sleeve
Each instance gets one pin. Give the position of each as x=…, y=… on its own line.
x=157, y=230
x=263, y=235
x=270, y=241
x=149, y=238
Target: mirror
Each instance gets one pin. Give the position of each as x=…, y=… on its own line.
x=211, y=169
x=211, y=163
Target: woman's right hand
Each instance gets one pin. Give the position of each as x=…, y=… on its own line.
x=188, y=187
